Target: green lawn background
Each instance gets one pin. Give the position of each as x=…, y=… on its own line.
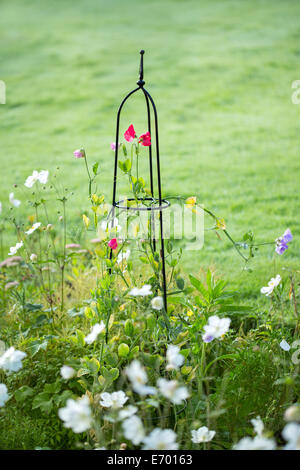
x=220, y=73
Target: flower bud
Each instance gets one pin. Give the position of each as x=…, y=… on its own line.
x=292, y=413
x=79, y=153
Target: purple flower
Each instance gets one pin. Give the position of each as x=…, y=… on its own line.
x=207, y=338
x=282, y=242
x=287, y=236
x=281, y=247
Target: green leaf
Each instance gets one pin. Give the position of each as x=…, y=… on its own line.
x=110, y=375
x=235, y=309
x=23, y=393
x=33, y=307
x=199, y=286
x=37, y=346
x=180, y=283
x=95, y=168
x=43, y=401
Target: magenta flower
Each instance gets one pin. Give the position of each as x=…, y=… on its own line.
x=129, y=135
x=282, y=242
x=79, y=153
x=113, y=243
x=145, y=139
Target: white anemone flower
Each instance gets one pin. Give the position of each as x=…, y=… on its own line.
x=3, y=394
x=143, y=291
x=138, y=378
x=285, y=345
x=11, y=360
x=77, y=414
x=13, y=201
x=170, y=389
x=41, y=176
x=0, y=207
x=111, y=225
x=33, y=228
x=258, y=425
x=67, y=372
x=127, y=412
x=292, y=413
x=95, y=332
x=33, y=257
x=161, y=439
x=291, y=433
x=216, y=328
x=13, y=249
x=202, y=434
x=174, y=358
x=133, y=429
x=157, y=303
x=113, y=400
x=274, y=282
x=257, y=443
x=123, y=256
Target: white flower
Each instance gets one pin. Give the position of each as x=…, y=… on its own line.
x=113, y=400
x=271, y=285
x=216, y=328
x=138, y=378
x=13, y=201
x=161, y=439
x=3, y=394
x=292, y=413
x=127, y=412
x=291, y=433
x=33, y=257
x=0, y=207
x=111, y=226
x=171, y=390
x=174, y=359
x=285, y=345
x=67, y=372
x=143, y=291
x=11, y=360
x=77, y=414
x=133, y=429
x=202, y=434
x=157, y=303
x=33, y=228
x=257, y=443
x=41, y=176
x=13, y=249
x=258, y=425
x=123, y=256
x=95, y=331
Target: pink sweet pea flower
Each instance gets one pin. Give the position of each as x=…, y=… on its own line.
x=145, y=139
x=113, y=243
x=130, y=133
x=113, y=145
x=80, y=153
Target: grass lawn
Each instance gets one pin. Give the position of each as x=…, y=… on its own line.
x=220, y=73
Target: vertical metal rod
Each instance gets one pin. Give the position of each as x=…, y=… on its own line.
x=160, y=212
x=116, y=159
x=151, y=169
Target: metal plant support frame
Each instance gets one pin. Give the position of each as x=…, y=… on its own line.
x=162, y=203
